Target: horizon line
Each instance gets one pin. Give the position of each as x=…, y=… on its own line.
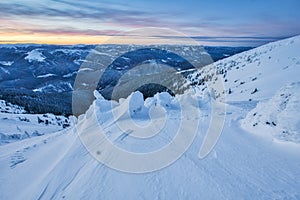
x=253, y=41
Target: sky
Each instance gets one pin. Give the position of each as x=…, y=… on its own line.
x=209, y=22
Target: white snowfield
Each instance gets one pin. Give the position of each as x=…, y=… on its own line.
x=248, y=162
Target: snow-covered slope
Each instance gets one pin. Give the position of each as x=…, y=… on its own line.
x=278, y=116
x=256, y=74
x=241, y=165
x=268, y=73
x=16, y=124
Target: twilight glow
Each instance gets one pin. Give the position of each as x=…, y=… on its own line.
x=228, y=23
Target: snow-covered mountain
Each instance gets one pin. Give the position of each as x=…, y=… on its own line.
x=242, y=165
x=256, y=74
x=38, y=76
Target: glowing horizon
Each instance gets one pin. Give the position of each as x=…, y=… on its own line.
x=234, y=23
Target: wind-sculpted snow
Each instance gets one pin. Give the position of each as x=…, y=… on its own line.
x=118, y=136
x=59, y=166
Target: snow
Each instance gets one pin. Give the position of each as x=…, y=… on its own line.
x=71, y=51
x=46, y=75
x=16, y=124
x=70, y=74
x=59, y=87
x=6, y=63
x=59, y=166
x=242, y=164
x=85, y=69
x=4, y=70
x=10, y=108
x=35, y=55
x=267, y=68
x=277, y=116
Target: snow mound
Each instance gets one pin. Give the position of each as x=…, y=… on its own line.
x=278, y=116
x=35, y=55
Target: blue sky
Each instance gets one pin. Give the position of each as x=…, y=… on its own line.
x=227, y=22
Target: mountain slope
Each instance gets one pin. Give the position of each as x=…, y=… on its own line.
x=241, y=165
x=267, y=75
x=256, y=74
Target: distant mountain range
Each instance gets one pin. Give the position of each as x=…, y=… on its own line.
x=41, y=77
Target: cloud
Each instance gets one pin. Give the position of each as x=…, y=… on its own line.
x=66, y=17
x=75, y=11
